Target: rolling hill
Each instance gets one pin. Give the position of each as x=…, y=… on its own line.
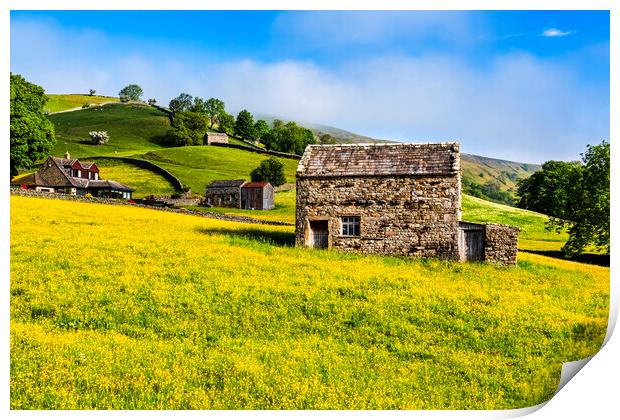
x=136, y=130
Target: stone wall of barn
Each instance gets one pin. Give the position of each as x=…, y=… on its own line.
x=223, y=196
x=213, y=138
x=501, y=244
x=402, y=215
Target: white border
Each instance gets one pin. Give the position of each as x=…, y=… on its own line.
x=591, y=393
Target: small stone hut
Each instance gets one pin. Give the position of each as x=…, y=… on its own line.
x=257, y=196
x=224, y=193
x=211, y=138
x=392, y=199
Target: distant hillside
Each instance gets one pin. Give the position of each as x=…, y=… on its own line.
x=493, y=179
x=60, y=103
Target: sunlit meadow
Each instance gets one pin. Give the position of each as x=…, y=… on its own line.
x=123, y=307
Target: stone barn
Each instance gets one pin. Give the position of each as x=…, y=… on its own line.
x=211, y=138
x=392, y=199
x=224, y=193
x=257, y=196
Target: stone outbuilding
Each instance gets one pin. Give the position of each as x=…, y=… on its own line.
x=257, y=196
x=392, y=199
x=240, y=194
x=212, y=137
x=224, y=193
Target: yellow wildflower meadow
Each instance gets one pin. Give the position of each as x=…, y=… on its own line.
x=128, y=308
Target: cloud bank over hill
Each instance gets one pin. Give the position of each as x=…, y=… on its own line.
x=517, y=106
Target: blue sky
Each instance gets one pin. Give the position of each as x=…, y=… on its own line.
x=520, y=85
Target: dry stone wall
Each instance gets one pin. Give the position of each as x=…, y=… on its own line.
x=501, y=244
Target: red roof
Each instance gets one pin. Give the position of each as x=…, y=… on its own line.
x=260, y=184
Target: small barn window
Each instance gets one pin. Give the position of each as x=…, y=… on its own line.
x=351, y=226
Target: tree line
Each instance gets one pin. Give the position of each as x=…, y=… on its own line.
x=193, y=117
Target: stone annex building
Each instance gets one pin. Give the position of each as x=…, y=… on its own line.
x=241, y=194
x=394, y=199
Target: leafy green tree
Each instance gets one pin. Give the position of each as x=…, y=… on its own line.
x=189, y=129
x=32, y=134
x=226, y=123
x=575, y=196
x=214, y=109
x=92, y=92
x=130, y=93
x=152, y=101
x=244, y=125
x=181, y=103
x=586, y=215
x=261, y=129
x=271, y=170
x=546, y=191
x=199, y=105
x=327, y=139
x=288, y=137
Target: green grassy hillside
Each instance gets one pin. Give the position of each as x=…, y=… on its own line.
x=493, y=179
x=57, y=103
x=136, y=129
x=144, y=181
x=132, y=129
x=171, y=311
x=196, y=166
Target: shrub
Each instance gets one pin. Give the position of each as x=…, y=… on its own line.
x=99, y=137
x=85, y=106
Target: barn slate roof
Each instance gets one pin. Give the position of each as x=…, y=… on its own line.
x=226, y=183
x=380, y=160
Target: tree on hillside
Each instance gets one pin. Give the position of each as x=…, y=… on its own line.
x=152, y=101
x=191, y=128
x=261, y=129
x=327, y=139
x=546, y=190
x=181, y=103
x=244, y=125
x=271, y=170
x=575, y=196
x=288, y=138
x=199, y=105
x=215, y=109
x=92, y=92
x=226, y=123
x=99, y=137
x=586, y=214
x=130, y=93
x=32, y=134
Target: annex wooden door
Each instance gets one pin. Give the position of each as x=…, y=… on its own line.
x=319, y=234
x=471, y=242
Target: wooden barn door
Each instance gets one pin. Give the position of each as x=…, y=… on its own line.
x=471, y=242
x=319, y=234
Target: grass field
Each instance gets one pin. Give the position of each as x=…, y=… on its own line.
x=197, y=166
x=58, y=103
x=144, y=181
x=174, y=311
x=132, y=129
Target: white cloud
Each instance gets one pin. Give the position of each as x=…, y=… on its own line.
x=554, y=32
x=518, y=107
